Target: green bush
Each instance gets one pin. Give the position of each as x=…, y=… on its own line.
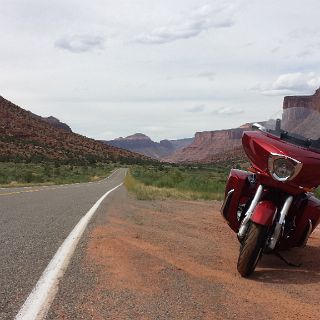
x=50, y=173
x=204, y=182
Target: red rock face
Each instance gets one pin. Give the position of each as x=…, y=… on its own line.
x=25, y=136
x=301, y=115
x=309, y=102
x=208, y=146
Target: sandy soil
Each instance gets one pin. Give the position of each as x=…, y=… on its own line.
x=177, y=260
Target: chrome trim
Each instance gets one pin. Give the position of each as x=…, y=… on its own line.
x=244, y=225
x=285, y=209
x=258, y=126
x=275, y=156
x=280, y=224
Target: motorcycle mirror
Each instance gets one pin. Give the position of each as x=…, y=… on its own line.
x=278, y=125
x=258, y=126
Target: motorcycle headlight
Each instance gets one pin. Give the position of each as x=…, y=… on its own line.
x=283, y=168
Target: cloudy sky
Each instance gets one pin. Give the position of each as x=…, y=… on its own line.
x=166, y=68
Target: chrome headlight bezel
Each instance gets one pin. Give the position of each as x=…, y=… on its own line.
x=297, y=166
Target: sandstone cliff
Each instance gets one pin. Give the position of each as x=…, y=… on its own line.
x=209, y=145
x=308, y=102
x=301, y=115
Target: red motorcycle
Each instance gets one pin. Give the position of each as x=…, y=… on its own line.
x=272, y=206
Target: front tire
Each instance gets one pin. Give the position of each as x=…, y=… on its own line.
x=251, y=249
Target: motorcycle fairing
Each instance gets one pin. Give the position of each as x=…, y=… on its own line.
x=258, y=146
x=307, y=212
x=264, y=213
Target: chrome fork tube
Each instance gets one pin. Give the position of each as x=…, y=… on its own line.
x=279, y=225
x=285, y=209
x=244, y=225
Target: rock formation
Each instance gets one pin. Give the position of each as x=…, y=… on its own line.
x=142, y=144
x=308, y=102
x=301, y=115
x=208, y=145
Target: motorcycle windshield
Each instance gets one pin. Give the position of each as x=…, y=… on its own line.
x=299, y=125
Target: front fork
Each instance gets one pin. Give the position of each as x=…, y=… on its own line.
x=245, y=222
x=279, y=225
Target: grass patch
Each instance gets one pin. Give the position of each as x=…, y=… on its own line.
x=189, y=183
x=24, y=174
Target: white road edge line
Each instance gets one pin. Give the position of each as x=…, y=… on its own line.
x=38, y=302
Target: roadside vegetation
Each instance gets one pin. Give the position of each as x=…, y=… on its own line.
x=23, y=174
x=206, y=182
x=182, y=182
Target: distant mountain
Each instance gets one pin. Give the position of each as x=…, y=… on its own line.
x=25, y=136
x=180, y=143
x=142, y=144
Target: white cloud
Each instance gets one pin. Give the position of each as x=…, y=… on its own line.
x=203, y=18
x=207, y=75
x=197, y=108
x=227, y=111
x=293, y=83
x=123, y=89
x=80, y=43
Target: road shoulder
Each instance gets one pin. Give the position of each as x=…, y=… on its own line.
x=177, y=260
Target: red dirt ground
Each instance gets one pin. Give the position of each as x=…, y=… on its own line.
x=177, y=260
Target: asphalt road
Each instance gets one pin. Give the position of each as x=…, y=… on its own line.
x=33, y=224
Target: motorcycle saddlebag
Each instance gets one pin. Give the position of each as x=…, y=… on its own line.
x=238, y=191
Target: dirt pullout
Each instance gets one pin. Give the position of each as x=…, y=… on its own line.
x=177, y=260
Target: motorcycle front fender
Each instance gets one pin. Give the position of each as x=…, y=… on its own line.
x=264, y=213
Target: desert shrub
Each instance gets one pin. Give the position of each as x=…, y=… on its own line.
x=195, y=182
x=50, y=173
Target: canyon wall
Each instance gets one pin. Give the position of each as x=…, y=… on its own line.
x=309, y=102
x=209, y=145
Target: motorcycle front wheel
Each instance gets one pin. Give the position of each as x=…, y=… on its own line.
x=251, y=249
